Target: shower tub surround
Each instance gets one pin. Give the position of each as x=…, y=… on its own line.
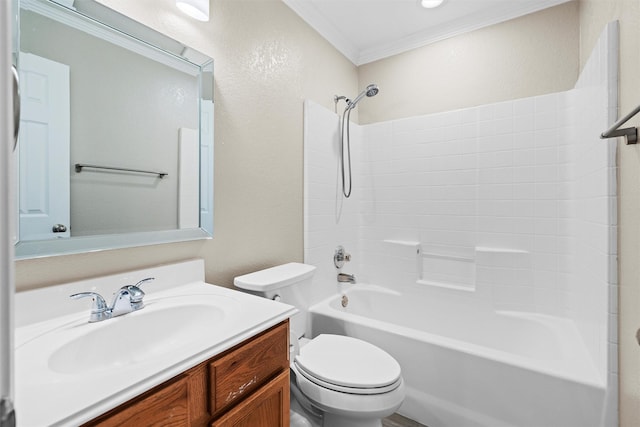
x=498, y=222
x=481, y=368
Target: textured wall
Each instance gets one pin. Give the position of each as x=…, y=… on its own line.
x=267, y=60
x=527, y=56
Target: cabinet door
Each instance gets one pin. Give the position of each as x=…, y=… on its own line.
x=166, y=407
x=245, y=369
x=267, y=407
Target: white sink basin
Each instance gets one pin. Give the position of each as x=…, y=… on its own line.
x=167, y=328
x=68, y=371
x=134, y=338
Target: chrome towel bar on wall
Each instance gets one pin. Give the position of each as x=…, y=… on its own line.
x=630, y=133
x=80, y=166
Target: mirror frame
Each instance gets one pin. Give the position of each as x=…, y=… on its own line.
x=122, y=27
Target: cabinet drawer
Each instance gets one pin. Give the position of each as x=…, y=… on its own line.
x=245, y=369
x=267, y=407
x=167, y=406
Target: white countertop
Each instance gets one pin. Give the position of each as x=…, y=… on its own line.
x=54, y=389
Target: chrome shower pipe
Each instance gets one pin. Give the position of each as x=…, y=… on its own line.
x=336, y=99
x=371, y=90
x=345, y=158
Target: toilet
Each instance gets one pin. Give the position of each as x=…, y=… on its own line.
x=336, y=381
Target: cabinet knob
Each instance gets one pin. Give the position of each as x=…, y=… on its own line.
x=59, y=228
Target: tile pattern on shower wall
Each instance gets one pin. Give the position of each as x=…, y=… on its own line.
x=330, y=219
x=524, y=189
x=527, y=181
x=462, y=181
x=594, y=284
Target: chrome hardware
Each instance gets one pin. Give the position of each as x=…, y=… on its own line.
x=128, y=298
x=99, y=310
x=631, y=133
x=16, y=106
x=122, y=302
x=7, y=413
x=80, y=166
x=340, y=257
x=346, y=278
x=136, y=290
x=143, y=281
x=276, y=298
x=59, y=228
x=344, y=301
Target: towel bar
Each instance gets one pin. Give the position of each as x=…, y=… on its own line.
x=630, y=133
x=79, y=167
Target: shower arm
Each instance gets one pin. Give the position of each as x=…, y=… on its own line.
x=337, y=99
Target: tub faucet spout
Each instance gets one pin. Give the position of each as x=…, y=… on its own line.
x=346, y=278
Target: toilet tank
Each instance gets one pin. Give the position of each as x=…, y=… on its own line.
x=286, y=283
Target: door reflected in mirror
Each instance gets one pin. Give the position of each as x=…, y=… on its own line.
x=116, y=141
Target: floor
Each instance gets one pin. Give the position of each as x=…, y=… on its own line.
x=397, y=420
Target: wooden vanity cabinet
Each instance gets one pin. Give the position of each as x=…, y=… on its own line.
x=269, y=406
x=247, y=385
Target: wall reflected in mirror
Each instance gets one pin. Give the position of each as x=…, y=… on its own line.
x=116, y=142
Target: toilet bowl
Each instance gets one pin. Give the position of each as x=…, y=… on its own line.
x=336, y=381
x=353, y=382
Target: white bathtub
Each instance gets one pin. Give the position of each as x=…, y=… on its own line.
x=473, y=367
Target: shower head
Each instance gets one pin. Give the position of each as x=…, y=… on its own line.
x=371, y=90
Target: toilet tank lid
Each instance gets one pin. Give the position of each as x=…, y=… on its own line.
x=275, y=277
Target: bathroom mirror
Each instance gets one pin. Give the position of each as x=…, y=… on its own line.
x=116, y=140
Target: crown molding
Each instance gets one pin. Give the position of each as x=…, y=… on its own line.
x=460, y=26
x=310, y=14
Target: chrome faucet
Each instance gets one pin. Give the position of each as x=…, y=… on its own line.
x=128, y=298
x=340, y=257
x=99, y=310
x=346, y=278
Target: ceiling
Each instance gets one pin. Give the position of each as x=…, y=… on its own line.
x=368, y=30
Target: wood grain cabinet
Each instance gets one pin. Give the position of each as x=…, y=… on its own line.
x=246, y=386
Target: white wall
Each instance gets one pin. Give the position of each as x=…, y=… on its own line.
x=329, y=219
x=594, y=14
x=593, y=210
x=511, y=201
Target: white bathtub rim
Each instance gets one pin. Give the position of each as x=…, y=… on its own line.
x=579, y=369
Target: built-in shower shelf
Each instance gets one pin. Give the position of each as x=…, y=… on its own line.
x=449, y=257
x=406, y=243
x=452, y=267
x=446, y=285
x=500, y=250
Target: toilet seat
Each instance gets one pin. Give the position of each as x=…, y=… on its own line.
x=348, y=365
x=363, y=406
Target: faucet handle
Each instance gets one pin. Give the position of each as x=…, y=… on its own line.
x=99, y=308
x=340, y=257
x=143, y=281
x=134, y=294
x=135, y=291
